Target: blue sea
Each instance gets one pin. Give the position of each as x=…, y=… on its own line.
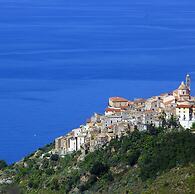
x=60, y=60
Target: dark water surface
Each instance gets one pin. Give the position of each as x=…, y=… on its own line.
x=61, y=60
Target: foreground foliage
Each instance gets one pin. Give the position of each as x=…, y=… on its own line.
x=132, y=164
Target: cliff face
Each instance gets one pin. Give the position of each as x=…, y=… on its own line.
x=155, y=161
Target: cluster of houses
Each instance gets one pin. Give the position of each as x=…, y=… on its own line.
x=123, y=116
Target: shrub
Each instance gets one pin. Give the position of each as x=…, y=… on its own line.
x=55, y=184
x=99, y=169
x=108, y=177
x=45, y=163
x=133, y=157
x=49, y=171
x=54, y=157
x=34, y=184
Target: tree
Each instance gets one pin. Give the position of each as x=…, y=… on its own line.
x=136, y=128
x=3, y=164
x=163, y=119
x=99, y=169
x=132, y=157
x=173, y=122
x=54, y=157
x=152, y=129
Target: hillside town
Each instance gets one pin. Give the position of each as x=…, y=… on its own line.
x=123, y=116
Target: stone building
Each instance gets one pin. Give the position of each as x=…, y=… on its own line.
x=118, y=102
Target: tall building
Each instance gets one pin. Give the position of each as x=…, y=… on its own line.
x=188, y=81
x=185, y=110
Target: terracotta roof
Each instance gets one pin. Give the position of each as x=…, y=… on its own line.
x=130, y=102
x=118, y=99
x=164, y=94
x=185, y=95
x=184, y=106
x=113, y=110
x=139, y=100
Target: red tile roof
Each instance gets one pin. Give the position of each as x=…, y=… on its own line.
x=118, y=99
x=130, y=102
x=184, y=106
x=163, y=94
x=139, y=100
x=113, y=110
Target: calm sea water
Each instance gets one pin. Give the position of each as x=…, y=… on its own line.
x=61, y=60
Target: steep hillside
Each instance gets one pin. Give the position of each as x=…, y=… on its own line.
x=178, y=180
x=155, y=161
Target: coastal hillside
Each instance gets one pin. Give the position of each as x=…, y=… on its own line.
x=159, y=160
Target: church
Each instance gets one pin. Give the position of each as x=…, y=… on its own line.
x=185, y=109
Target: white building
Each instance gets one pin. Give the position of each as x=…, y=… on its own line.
x=185, y=111
x=72, y=145
x=112, y=119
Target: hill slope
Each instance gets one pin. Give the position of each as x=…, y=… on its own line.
x=155, y=161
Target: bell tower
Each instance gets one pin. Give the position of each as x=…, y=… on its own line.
x=188, y=81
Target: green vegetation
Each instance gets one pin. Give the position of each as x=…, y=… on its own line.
x=3, y=164
x=193, y=127
x=159, y=160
